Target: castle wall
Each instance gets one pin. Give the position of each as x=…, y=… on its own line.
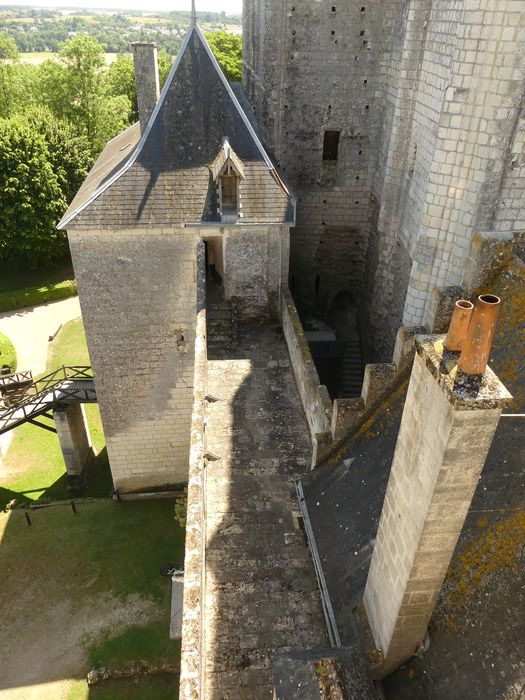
x=309, y=68
x=438, y=152
x=138, y=294
x=137, y=291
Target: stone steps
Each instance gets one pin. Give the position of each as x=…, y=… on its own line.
x=352, y=370
x=221, y=326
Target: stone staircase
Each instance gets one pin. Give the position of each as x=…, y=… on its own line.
x=352, y=367
x=222, y=326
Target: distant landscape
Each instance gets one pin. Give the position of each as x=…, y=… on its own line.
x=39, y=32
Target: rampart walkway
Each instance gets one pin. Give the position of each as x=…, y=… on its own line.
x=261, y=593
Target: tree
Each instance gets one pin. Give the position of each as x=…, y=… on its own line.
x=31, y=199
x=68, y=152
x=77, y=88
x=227, y=49
x=8, y=54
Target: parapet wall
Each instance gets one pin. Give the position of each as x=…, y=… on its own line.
x=193, y=632
x=314, y=395
x=327, y=422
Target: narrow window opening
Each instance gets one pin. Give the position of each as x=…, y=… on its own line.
x=365, y=81
x=331, y=145
x=333, y=8
x=229, y=194
x=333, y=32
x=362, y=10
x=367, y=106
x=362, y=32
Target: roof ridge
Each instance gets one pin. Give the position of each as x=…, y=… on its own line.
x=194, y=28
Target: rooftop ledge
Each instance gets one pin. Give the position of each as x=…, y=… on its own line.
x=465, y=392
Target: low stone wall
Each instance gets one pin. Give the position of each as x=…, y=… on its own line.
x=193, y=640
x=314, y=395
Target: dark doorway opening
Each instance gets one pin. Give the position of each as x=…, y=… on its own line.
x=214, y=270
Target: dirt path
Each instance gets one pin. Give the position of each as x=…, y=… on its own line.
x=29, y=330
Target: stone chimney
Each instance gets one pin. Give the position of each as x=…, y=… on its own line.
x=448, y=424
x=146, y=79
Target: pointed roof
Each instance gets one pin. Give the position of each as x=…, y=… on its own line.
x=226, y=158
x=163, y=177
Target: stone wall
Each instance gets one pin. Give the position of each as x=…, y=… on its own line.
x=314, y=395
x=193, y=658
x=137, y=292
x=451, y=144
x=312, y=67
x=445, y=434
x=253, y=262
x=428, y=98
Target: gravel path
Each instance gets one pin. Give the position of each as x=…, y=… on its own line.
x=29, y=330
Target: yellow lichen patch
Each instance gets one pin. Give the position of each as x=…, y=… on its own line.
x=497, y=550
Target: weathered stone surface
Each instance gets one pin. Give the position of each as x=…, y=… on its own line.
x=443, y=441
x=428, y=99
x=261, y=593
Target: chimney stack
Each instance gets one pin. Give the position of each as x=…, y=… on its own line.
x=146, y=79
x=446, y=431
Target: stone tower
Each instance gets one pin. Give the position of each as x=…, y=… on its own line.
x=399, y=126
x=190, y=181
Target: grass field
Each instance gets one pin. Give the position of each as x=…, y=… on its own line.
x=85, y=589
x=38, y=57
x=34, y=467
x=7, y=353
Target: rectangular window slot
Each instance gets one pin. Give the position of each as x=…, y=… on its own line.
x=331, y=145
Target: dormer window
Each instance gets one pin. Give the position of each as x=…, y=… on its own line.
x=228, y=194
x=227, y=171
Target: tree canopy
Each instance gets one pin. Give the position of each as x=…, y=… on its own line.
x=227, y=49
x=54, y=121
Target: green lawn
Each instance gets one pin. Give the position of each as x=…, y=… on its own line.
x=7, y=353
x=34, y=468
x=20, y=288
x=94, y=576
x=69, y=347
x=81, y=589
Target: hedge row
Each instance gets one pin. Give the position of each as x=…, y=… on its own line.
x=31, y=296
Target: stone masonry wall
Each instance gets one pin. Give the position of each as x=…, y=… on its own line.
x=311, y=67
x=453, y=101
x=193, y=658
x=428, y=96
x=137, y=292
x=314, y=395
x=440, y=452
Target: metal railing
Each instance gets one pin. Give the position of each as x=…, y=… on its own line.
x=37, y=397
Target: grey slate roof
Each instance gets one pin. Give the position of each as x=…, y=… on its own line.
x=163, y=178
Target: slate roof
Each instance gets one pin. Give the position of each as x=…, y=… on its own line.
x=479, y=616
x=163, y=178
